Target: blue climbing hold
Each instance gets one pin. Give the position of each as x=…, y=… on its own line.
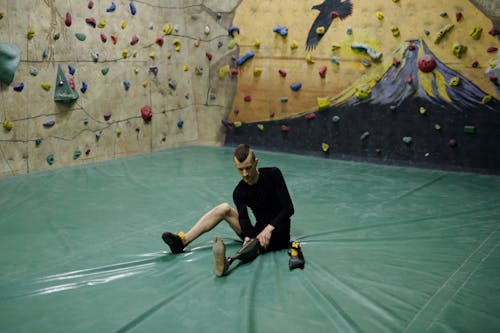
x=244, y=58
x=232, y=30
x=19, y=87
x=84, y=87
x=126, y=84
x=296, y=86
x=71, y=69
x=133, y=10
x=49, y=123
x=111, y=8
x=180, y=123
x=283, y=31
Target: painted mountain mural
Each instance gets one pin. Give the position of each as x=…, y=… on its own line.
x=417, y=112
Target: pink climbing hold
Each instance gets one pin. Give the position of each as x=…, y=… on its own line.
x=285, y=128
x=146, y=113
x=104, y=38
x=310, y=116
x=67, y=21
x=322, y=72
x=409, y=79
x=412, y=47
x=107, y=116
x=426, y=63
x=90, y=5
x=282, y=72
x=494, y=79
x=334, y=15
x=209, y=56
x=494, y=31
x=458, y=16
x=134, y=40
x=234, y=72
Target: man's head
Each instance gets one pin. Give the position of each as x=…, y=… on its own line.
x=246, y=163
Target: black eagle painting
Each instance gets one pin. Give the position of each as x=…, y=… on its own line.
x=328, y=11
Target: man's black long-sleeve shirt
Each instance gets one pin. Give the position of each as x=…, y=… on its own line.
x=270, y=203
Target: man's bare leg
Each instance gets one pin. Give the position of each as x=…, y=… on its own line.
x=222, y=212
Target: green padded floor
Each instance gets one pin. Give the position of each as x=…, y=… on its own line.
x=387, y=249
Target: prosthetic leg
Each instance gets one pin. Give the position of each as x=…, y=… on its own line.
x=245, y=254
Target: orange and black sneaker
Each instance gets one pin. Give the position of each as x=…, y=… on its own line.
x=296, y=256
x=175, y=242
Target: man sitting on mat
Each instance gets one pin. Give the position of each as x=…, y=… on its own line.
x=264, y=191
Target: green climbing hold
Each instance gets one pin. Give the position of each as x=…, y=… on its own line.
x=50, y=159
x=469, y=129
x=57, y=35
x=10, y=55
x=63, y=92
x=105, y=70
x=77, y=154
x=80, y=36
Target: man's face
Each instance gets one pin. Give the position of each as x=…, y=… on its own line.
x=247, y=169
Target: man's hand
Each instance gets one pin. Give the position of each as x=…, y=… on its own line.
x=264, y=236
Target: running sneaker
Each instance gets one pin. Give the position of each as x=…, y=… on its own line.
x=296, y=257
x=174, y=241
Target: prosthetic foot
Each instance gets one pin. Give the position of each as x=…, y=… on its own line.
x=247, y=252
x=175, y=242
x=296, y=257
x=221, y=263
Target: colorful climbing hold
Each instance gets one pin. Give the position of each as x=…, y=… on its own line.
x=223, y=71
x=56, y=36
x=125, y=53
x=407, y=139
x=486, y=99
x=426, y=63
x=168, y=28
x=285, y=128
x=146, y=113
x=80, y=36
x=46, y=86
x=322, y=71
x=442, y=33
x=91, y=21
x=247, y=98
x=458, y=16
x=134, y=40
x=105, y=70
x=126, y=84
x=422, y=110
x=245, y=58
x=296, y=86
x=111, y=8
x=180, y=123
x=8, y=125
x=177, y=44
x=491, y=49
x=379, y=15
x=454, y=81
x=452, y=143
x=101, y=24
x=395, y=31
x=107, y=116
x=233, y=31
x=260, y=127
x=310, y=116
x=469, y=129
x=123, y=24
x=282, y=72
x=19, y=87
x=172, y=84
x=294, y=45
x=33, y=71
x=459, y=50
x=76, y=154
x=31, y=33
x=283, y=31
x=323, y=102
x=133, y=10
x=325, y=147
x=67, y=21
x=475, y=32
x=50, y=159
x=84, y=87
x=49, y=123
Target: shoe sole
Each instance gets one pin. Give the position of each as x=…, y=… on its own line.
x=219, y=250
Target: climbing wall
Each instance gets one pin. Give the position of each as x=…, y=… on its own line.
x=97, y=80
x=386, y=81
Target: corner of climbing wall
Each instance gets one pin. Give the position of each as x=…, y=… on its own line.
x=96, y=80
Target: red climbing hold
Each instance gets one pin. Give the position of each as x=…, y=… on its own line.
x=114, y=38
x=494, y=79
x=458, y=16
x=494, y=31
x=209, y=56
x=310, y=116
x=104, y=38
x=475, y=64
x=282, y=72
x=285, y=128
x=67, y=21
x=247, y=98
x=234, y=72
x=159, y=41
x=334, y=15
x=91, y=21
x=146, y=113
x=426, y=63
x=322, y=72
x=492, y=49
x=90, y=5
x=396, y=62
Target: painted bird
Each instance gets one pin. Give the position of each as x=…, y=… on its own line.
x=328, y=11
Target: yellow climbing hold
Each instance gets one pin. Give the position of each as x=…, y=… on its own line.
x=422, y=110
x=486, y=99
x=118, y=132
x=136, y=70
x=323, y=102
x=380, y=15
x=475, y=32
x=8, y=125
x=256, y=43
x=442, y=33
x=294, y=45
x=125, y=53
x=260, y=127
x=325, y=147
x=102, y=24
x=46, y=86
x=232, y=43
x=168, y=28
x=309, y=58
x=437, y=127
x=152, y=55
x=257, y=71
x=237, y=124
x=454, y=81
x=224, y=71
x=31, y=33
x=320, y=30
x=123, y=25
x=362, y=92
x=2, y=15
x=335, y=46
x=177, y=44
x=169, y=55
x=185, y=68
x=395, y=31
x=145, y=84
